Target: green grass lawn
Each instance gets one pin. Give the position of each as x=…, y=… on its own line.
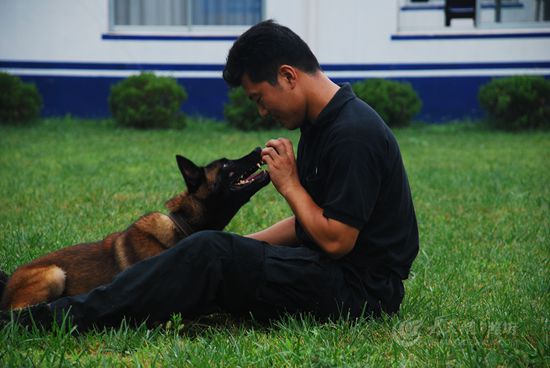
x=478, y=294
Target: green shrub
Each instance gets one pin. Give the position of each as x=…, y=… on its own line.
x=515, y=103
x=242, y=113
x=20, y=102
x=396, y=102
x=147, y=101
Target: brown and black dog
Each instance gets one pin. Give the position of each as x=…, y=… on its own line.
x=214, y=195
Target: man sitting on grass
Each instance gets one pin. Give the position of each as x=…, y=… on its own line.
x=344, y=253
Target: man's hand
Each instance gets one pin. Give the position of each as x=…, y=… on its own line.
x=279, y=157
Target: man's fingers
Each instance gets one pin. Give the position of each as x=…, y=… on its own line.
x=269, y=151
x=268, y=156
x=267, y=159
x=276, y=144
x=282, y=146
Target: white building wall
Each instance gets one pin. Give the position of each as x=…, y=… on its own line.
x=353, y=39
x=339, y=32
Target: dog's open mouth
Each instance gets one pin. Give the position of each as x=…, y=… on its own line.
x=255, y=174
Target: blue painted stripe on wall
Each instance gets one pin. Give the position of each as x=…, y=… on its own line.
x=116, y=37
x=438, y=66
x=219, y=67
x=467, y=36
x=444, y=98
x=422, y=7
x=108, y=66
x=88, y=96
x=442, y=7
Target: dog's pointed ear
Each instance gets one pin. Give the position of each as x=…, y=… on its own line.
x=192, y=174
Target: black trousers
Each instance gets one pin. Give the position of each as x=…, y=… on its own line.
x=217, y=271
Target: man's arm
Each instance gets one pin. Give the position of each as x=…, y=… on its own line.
x=334, y=237
x=281, y=233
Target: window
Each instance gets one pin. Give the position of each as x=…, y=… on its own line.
x=513, y=13
x=183, y=14
x=226, y=12
x=429, y=15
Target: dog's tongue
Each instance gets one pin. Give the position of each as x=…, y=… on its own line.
x=254, y=176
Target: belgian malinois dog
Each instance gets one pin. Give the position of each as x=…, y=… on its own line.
x=214, y=195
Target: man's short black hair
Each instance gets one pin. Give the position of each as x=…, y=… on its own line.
x=261, y=50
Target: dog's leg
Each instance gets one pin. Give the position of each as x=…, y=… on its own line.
x=33, y=285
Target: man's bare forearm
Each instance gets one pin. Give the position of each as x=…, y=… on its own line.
x=281, y=233
x=334, y=237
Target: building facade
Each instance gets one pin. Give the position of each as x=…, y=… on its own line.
x=74, y=50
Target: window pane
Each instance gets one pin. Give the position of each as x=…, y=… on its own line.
x=226, y=12
x=514, y=12
x=150, y=12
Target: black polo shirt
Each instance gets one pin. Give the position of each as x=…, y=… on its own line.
x=350, y=163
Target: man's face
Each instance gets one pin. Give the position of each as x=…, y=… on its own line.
x=282, y=101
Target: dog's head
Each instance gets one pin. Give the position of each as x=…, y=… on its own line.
x=219, y=189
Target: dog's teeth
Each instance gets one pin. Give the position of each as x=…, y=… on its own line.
x=244, y=181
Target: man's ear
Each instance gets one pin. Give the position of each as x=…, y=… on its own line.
x=192, y=174
x=288, y=74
